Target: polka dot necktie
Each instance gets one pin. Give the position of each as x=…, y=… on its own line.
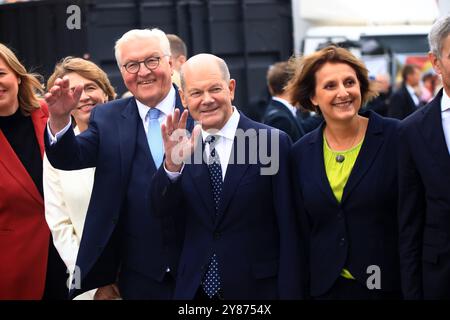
x=211, y=280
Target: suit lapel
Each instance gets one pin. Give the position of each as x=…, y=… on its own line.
x=39, y=118
x=200, y=178
x=12, y=163
x=127, y=136
x=235, y=171
x=433, y=133
x=318, y=171
x=369, y=150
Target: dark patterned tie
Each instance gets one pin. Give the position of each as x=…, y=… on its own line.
x=211, y=280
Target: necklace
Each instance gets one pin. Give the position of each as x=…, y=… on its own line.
x=340, y=157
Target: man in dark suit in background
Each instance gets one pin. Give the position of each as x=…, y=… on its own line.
x=280, y=113
x=424, y=217
x=122, y=243
x=241, y=239
x=405, y=100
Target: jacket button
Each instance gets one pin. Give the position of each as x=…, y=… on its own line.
x=217, y=235
x=339, y=215
x=342, y=242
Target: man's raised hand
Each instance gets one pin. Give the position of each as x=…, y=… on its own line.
x=61, y=100
x=178, y=144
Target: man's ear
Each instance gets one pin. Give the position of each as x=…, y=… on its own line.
x=435, y=62
x=182, y=97
x=232, y=88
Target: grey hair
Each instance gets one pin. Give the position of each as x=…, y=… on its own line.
x=222, y=67
x=439, y=31
x=142, y=34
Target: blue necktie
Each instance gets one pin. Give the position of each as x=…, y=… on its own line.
x=154, y=137
x=211, y=280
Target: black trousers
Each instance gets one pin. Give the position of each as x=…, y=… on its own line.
x=56, y=278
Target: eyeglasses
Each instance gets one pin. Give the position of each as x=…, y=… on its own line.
x=150, y=63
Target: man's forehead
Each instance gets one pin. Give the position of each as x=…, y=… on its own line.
x=141, y=48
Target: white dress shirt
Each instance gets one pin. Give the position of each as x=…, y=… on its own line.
x=286, y=103
x=445, y=108
x=413, y=95
x=166, y=106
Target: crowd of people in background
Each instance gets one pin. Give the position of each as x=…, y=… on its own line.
x=102, y=198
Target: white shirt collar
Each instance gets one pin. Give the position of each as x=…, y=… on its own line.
x=286, y=103
x=228, y=131
x=412, y=93
x=445, y=101
x=166, y=106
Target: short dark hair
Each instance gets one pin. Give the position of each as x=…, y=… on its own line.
x=278, y=76
x=177, y=46
x=302, y=86
x=409, y=69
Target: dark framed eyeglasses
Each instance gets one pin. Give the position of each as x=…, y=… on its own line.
x=150, y=63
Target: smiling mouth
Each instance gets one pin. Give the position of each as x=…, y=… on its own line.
x=343, y=104
x=86, y=107
x=208, y=111
x=146, y=82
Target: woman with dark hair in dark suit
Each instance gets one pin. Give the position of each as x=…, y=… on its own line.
x=346, y=181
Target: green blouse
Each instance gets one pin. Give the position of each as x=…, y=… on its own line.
x=338, y=174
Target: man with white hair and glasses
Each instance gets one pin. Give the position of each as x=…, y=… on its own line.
x=122, y=243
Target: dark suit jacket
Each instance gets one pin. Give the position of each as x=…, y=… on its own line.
x=254, y=235
x=119, y=230
x=425, y=205
x=401, y=104
x=278, y=116
x=361, y=230
x=24, y=233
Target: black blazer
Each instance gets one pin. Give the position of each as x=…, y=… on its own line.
x=401, y=104
x=361, y=230
x=425, y=205
x=278, y=116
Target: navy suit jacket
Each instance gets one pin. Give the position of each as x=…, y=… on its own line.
x=110, y=145
x=401, y=104
x=361, y=230
x=254, y=235
x=425, y=205
x=279, y=116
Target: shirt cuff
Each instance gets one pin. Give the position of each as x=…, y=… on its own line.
x=54, y=138
x=173, y=176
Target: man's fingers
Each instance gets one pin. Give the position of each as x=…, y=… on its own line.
x=195, y=136
x=183, y=120
x=55, y=90
x=176, y=118
x=169, y=123
x=164, y=133
x=77, y=93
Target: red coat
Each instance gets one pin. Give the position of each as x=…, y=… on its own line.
x=24, y=234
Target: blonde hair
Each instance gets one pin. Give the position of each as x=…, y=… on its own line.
x=86, y=69
x=29, y=84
